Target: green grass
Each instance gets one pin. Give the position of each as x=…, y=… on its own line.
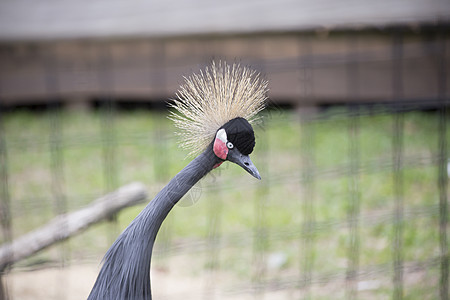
x=233, y=206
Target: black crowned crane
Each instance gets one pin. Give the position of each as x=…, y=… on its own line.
x=213, y=112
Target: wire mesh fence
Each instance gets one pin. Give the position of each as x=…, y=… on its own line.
x=353, y=202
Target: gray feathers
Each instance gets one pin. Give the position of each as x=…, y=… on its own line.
x=125, y=273
x=126, y=266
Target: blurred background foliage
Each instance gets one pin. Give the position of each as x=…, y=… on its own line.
x=229, y=213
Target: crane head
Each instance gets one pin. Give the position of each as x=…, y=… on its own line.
x=221, y=94
x=234, y=142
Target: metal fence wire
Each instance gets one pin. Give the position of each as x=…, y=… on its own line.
x=353, y=203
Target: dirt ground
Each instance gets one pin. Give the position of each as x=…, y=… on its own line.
x=184, y=278
x=75, y=282
x=68, y=283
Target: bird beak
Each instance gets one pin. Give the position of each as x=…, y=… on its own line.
x=244, y=161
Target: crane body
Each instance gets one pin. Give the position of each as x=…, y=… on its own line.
x=126, y=267
x=214, y=108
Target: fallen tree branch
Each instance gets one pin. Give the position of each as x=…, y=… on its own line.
x=66, y=225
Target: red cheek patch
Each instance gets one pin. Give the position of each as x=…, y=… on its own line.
x=217, y=165
x=220, y=149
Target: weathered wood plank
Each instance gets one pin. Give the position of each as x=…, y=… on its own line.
x=303, y=69
x=64, y=226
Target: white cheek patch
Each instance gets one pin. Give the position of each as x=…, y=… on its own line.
x=222, y=135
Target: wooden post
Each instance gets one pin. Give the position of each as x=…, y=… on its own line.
x=66, y=225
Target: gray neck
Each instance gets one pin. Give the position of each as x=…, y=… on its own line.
x=126, y=266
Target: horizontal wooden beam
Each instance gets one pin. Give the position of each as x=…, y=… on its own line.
x=301, y=69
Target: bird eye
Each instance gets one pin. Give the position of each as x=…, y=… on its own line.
x=230, y=145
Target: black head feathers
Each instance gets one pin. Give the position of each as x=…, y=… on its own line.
x=240, y=133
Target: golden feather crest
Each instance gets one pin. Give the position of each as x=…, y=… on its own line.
x=208, y=100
